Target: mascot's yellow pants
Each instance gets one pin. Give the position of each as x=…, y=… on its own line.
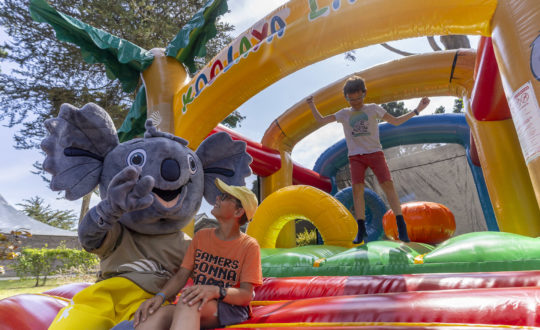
x=101, y=305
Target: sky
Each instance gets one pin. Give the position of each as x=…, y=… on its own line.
x=18, y=183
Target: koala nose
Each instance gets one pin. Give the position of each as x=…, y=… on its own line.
x=170, y=170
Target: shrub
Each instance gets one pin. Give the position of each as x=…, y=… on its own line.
x=44, y=262
x=306, y=238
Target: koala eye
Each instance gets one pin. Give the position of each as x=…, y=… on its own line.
x=192, y=164
x=137, y=157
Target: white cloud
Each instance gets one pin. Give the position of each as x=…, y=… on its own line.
x=309, y=149
x=244, y=13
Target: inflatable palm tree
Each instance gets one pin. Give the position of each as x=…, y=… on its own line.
x=162, y=70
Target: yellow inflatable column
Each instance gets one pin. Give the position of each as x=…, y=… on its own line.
x=162, y=79
x=506, y=177
x=282, y=178
x=515, y=32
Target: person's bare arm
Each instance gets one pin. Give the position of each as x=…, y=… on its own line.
x=203, y=293
x=320, y=119
x=171, y=288
x=396, y=121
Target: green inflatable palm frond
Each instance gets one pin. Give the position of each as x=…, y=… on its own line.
x=123, y=59
x=133, y=125
x=191, y=40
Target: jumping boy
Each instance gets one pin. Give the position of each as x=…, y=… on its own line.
x=225, y=265
x=364, y=148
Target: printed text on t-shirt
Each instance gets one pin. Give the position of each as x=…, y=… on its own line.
x=214, y=270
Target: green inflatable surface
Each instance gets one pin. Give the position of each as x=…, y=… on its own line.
x=473, y=252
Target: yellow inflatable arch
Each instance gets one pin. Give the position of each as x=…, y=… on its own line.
x=335, y=223
x=302, y=32
x=432, y=74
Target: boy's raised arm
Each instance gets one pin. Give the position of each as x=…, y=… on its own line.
x=320, y=119
x=396, y=121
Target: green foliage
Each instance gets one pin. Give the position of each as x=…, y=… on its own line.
x=440, y=109
x=233, y=120
x=458, y=106
x=51, y=72
x=306, y=238
x=2, y=55
x=396, y=109
x=44, y=262
x=35, y=208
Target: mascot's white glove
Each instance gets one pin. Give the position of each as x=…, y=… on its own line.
x=126, y=193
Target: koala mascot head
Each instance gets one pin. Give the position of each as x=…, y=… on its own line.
x=83, y=152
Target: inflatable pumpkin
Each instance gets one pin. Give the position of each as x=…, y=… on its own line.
x=427, y=222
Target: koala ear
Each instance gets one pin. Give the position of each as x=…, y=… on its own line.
x=77, y=144
x=225, y=159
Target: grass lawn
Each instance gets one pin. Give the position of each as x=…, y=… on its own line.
x=10, y=288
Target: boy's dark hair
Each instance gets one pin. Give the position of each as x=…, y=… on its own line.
x=354, y=84
x=243, y=219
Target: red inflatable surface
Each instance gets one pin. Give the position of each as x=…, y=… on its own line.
x=423, y=301
x=500, y=306
x=293, y=288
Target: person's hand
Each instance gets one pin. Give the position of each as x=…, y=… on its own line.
x=147, y=308
x=199, y=293
x=309, y=100
x=424, y=102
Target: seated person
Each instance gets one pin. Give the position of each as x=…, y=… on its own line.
x=225, y=265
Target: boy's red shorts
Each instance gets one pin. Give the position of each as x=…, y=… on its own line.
x=375, y=161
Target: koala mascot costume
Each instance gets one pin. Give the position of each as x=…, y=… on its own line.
x=150, y=188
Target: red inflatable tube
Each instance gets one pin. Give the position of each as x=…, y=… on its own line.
x=501, y=306
x=475, y=159
x=29, y=311
x=488, y=101
x=293, y=288
x=67, y=291
x=371, y=326
x=267, y=161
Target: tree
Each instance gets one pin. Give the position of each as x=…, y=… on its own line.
x=458, y=106
x=51, y=72
x=35, y=208
x=440, y=109
x=395, y=108
x=2, y=55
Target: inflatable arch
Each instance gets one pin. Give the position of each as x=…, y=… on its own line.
x=278, y=45
x=274, y=45
x=335, y=223
x=282, y=42
x=413, y=76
